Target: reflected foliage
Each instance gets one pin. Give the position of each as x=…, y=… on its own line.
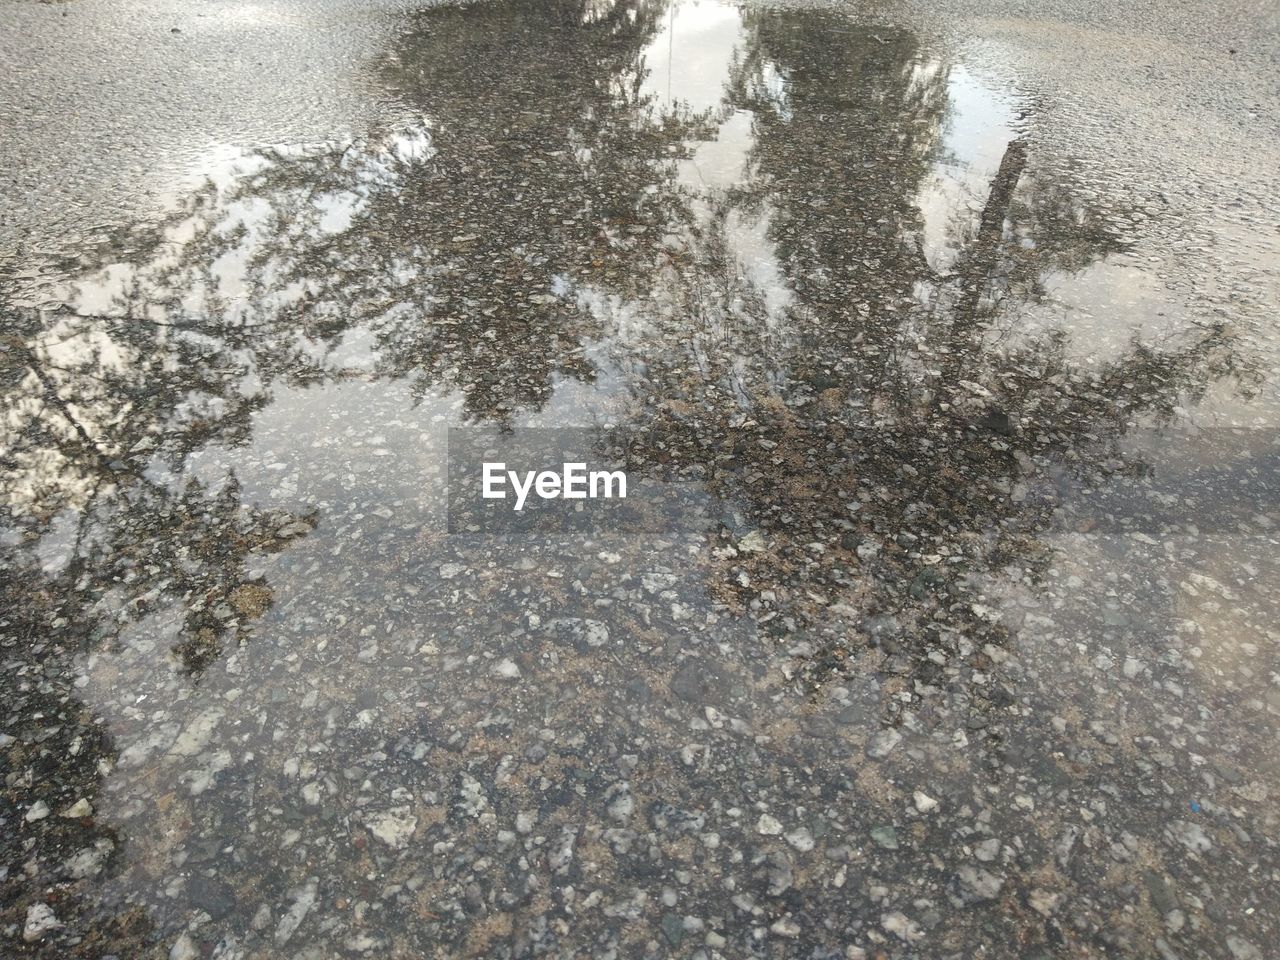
x=487, y=248
x=880, y=418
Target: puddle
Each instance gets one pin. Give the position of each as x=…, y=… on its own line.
x=890, y=687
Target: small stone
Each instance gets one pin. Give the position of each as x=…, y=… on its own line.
x=785, y=927
x=672, y=928
x=768, y=826
x=801, y=839
x=1190, y=835
x=781, y=876
x=450, y=570
x=525, y=821
x=261, y=918
x=198, y=733
x=40, y=920
x=924, y=803
x=304, y=898
x=472, y=799
x=37, y=811
x=622, y=805
x=902, y=927
x=507, y=669
x=882, y=744
x=987, y=850
x=81, y=808
x=1242, y=949
x=1161, y=892
x=89, y=861
x=184, y=948
x=394, y=827
x=885, y=837
x=980, y=884
x=585, y=634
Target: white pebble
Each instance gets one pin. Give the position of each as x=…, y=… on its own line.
x=769, y=826
x=924, y=803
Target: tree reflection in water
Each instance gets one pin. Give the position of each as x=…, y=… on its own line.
x=545, y=220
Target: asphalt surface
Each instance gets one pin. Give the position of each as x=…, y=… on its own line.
x=937, y=343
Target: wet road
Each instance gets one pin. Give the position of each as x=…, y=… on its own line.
x=942, y=341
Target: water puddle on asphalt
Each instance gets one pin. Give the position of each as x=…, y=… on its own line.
x=936, y=659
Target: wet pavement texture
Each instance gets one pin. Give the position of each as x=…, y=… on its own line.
x=955, y=330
